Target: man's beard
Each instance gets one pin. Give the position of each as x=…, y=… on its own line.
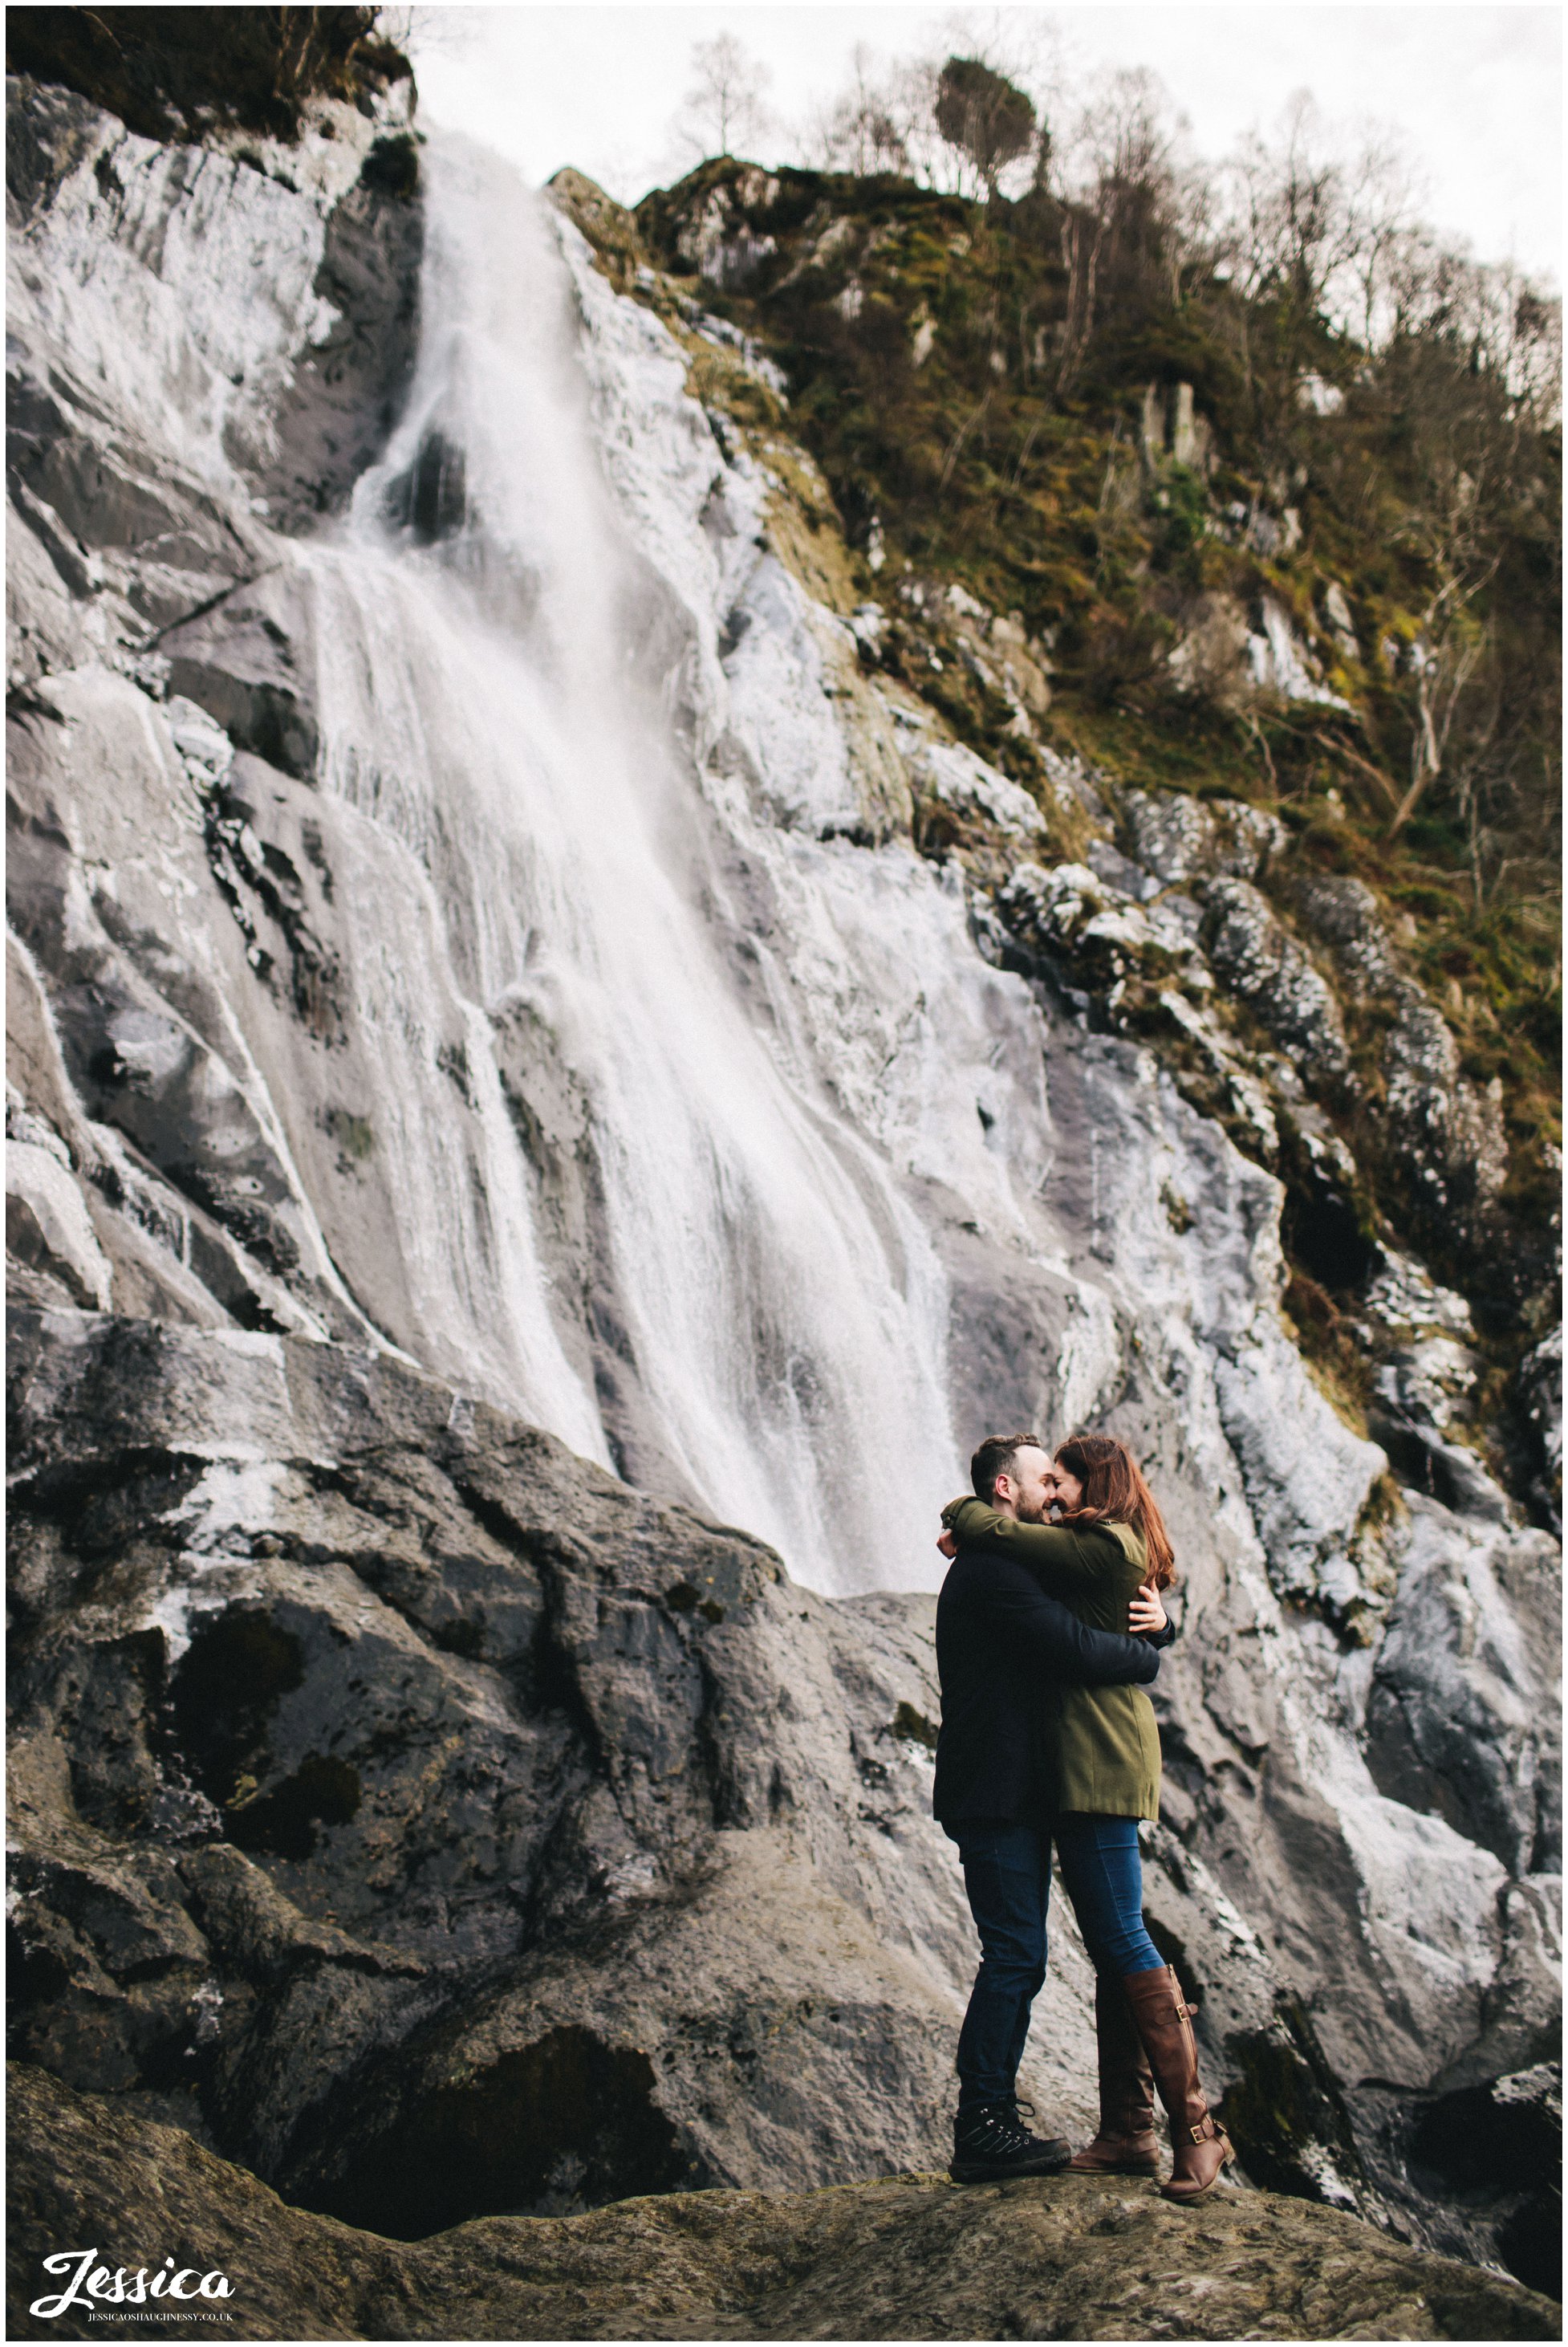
x=1035, y=1511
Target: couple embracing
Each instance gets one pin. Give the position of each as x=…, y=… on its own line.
x=1047, y=1632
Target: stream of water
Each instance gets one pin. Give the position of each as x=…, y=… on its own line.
x=481, y=705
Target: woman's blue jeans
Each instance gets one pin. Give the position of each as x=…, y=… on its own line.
x=1007, y=1874
x=1103, y=1875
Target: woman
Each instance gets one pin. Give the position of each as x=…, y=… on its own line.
x=1106, y=1760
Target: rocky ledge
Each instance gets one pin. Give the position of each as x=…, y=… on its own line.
x=911, y=2257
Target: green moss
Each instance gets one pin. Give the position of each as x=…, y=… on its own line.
x=1182, y=498
x=355, y=1135
x=1284, y=2110
x=1178, y=1213
x=912, y=1727
x=1335, y=1362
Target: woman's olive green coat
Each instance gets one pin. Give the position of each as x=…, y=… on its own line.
x=1104, y=1747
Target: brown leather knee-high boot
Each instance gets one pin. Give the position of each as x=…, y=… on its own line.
x=1199, y=2145
x=1125, y=2145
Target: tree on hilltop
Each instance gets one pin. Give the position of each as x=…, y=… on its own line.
x=726, y=102
x=985, y=115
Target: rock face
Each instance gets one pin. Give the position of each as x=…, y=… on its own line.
x=471, y=974
x=451, y=1795
x=912, y=2258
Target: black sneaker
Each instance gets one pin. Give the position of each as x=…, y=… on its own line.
x=990, y=2141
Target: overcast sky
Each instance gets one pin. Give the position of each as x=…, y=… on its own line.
x=1474, y=92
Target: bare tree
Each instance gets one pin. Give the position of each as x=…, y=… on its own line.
x=1443, y=659
x=1291, y=224
x=726, y=101
x=1320, y=223
x=1381, y=194
x=1472, y=364
x=1509, y=326
x=911, y=117
x=426, y=33
x=1131, y=208
x=867, y=129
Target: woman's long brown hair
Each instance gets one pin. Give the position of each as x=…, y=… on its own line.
x=1115, y=1493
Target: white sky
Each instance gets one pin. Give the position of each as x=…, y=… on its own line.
x=1475, y=93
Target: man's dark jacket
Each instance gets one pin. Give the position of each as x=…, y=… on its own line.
x=1002, y=1647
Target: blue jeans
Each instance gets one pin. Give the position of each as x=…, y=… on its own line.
x=1007, y=1874
x=1103, y=1874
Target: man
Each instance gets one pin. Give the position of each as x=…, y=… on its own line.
x=1002, y=1646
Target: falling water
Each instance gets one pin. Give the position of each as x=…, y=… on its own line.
x=481, y=706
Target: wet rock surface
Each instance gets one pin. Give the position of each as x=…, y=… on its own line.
x=912, y=2256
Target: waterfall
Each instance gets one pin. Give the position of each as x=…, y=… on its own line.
x=482, y=708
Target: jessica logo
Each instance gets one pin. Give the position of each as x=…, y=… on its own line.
x=117, y=2288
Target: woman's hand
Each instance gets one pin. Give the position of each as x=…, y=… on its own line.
x=1145, y=1614
x=948, y=1544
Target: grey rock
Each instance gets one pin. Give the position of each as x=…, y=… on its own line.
x=1119, y=871
x=1541, y=1380
x=1347, y=915
x=1491, y=2146
x=1073, y=916
x=966, y=784
x=295, y=393
x=238, y=660
x=1255, y=955
x=1341, y=626
x=1076, y=784
x=1182, y=839
x=436, y=1825
x=1448, y=1129
x=1211, y=657
x=1400, y=1292
x=722, y=245
x=1539, y=1389
x=1469, y=1658
x=47, y=1225
x=1422, y=1416
x=138, y=1054
x=346, y=394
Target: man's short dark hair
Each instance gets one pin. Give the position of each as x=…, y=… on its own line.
x=998, y=1455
